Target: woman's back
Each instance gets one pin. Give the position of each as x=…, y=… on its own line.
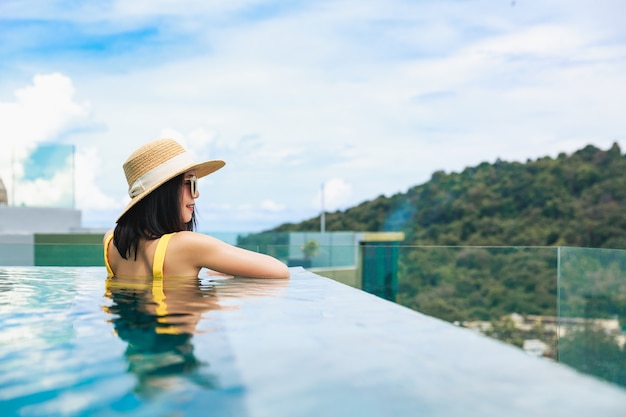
x=158, y=257
x=154, y=234
x=187, y=253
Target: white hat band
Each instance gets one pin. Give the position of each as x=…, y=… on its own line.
x=156, y=174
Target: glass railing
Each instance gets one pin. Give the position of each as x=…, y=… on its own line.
x=308, y=249
x=509, y=293
x=592, y=311
x=562, y=303
x=28, y=172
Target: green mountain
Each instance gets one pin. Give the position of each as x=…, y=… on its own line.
x=482, y=243
x=571, y=200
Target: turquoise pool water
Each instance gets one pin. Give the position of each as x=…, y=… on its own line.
x=73, y=343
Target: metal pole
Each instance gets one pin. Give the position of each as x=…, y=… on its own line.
x=323, y=214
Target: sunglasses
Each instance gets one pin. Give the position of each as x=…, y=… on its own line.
x=193, y=185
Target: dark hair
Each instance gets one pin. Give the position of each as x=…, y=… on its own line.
x=156, y=214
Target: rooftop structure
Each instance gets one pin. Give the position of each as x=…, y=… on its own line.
x=28, y=220
x=4, y=198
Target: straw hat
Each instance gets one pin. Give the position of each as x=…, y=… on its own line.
x=157, y=162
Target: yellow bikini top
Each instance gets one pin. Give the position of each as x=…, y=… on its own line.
x=158, y=294
x=157, y=262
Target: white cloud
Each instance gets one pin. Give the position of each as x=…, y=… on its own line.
x=176, y=8
x=53, y=192
x=272, y=206
x=44, y=111
x=200, y=142
x=242, y=217
x=50, y=101
x=335, y=194
x=88, y=195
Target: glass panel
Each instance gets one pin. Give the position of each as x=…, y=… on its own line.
x=504, y=292
x=38, y=175
x=592, y=311
x=322, y=250
x=272, y=243
x=16, y=252
x=380, y=269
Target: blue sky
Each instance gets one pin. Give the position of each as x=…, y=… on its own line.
x=46, y=160
x=366, y=97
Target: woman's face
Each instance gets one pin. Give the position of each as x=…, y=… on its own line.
x=188, y=199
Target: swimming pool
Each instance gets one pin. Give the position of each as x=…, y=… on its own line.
x=74, y=343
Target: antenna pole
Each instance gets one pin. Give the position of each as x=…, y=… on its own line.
x=323, y=213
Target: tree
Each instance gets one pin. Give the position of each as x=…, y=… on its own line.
x=310, y=249
x=593, y=351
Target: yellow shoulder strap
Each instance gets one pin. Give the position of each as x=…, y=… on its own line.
x=158, y=294
x=159, y=255
x=106, y=255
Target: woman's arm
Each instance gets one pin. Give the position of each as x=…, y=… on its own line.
x=204, y=251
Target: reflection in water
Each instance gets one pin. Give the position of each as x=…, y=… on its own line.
x=157, y=318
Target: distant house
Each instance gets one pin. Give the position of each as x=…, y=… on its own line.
x=535, y=347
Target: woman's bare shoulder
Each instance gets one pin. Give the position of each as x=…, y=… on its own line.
x=194, y=242
x=106, y=235
x=186, y=237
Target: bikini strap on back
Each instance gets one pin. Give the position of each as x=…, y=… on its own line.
x=107, y=242
x=159, y=255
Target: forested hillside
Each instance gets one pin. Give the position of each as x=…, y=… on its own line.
x=482, y=243
x=571, y=200
x=457, y=261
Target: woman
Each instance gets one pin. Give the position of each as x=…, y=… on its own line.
x=154, y=234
